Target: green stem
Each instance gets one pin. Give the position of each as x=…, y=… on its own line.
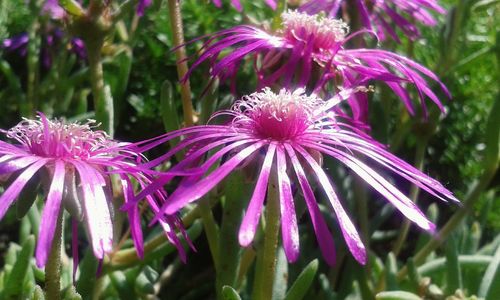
x=53, y=266
x=228, y=245
x=266, y=256
x=180, y=53
x=414, y=191
x=102, y=104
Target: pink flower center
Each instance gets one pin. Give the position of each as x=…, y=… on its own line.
x=55, y=138
x=324, y=33
x=282, y=116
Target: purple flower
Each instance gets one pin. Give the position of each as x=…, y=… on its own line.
x=74, y=164
x=237, y=4
x=53, y=9
x=287, y=134
x=308, y=52
x=142, y=5
x=382, y=14
x=51, y=40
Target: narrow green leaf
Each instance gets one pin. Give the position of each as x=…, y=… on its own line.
x=11, y=255
x=13, y=286
x=71, y=294
x=37, y=294
x=303, y=282
x=87, y=279
x=397, y=295
x=413, y=274
x=209, y=101
x=471, y=243
x=228, y=293
x=391, y=272
x=144, y=285
x=326, y=287
x=492, y=150
x=72, y=7
x=466, y=261
x=280, y=275
x=122, y=286
x=453, y=272
x=490, y=283
x=168, y=108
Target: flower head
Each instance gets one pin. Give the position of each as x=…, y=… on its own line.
x=284, y=133
x=381, y=14
x=309, y=52
x=78, y=162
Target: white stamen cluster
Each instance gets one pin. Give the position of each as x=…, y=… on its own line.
x=301, y=25
x=58, y=138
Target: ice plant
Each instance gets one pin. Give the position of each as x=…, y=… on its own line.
x=74, y=165
x=237, y=4
x=287, y=133
x=309, y=52
x=382, y=15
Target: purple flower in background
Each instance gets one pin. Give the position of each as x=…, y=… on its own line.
x=74, y=165
x=142, y=5
x=287, y=134
x=308, y=52
x=237, y=4
x=51, y=40
x=16, y=43
x=53, y=9
x=382, y=15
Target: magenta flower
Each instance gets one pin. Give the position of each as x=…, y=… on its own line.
x=237, y=4
x=381, y=15
x=74, y=164
x=53, y=9
x=308, y=51
x=142, y=5
x=287, y=133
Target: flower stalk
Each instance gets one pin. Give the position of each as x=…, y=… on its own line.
x=266, y=255
x=180, y=53
x=53, y=266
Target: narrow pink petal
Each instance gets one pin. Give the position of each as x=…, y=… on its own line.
x=349, y=232
x=96, y=210
x=133, y=216
x=289, y=229
x=323, y=235
x=12, y=164
x=50, y=214
x=398, y=199
x=251, y=219
x=11, y=193
x=209, y=182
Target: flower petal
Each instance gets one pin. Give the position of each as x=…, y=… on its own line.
x=323, y=235
x=349, y=232
x=10, y=194
x=203, y=186
x=50, y=215
x=96, y=210
x=251, y=219
x=289, y=229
